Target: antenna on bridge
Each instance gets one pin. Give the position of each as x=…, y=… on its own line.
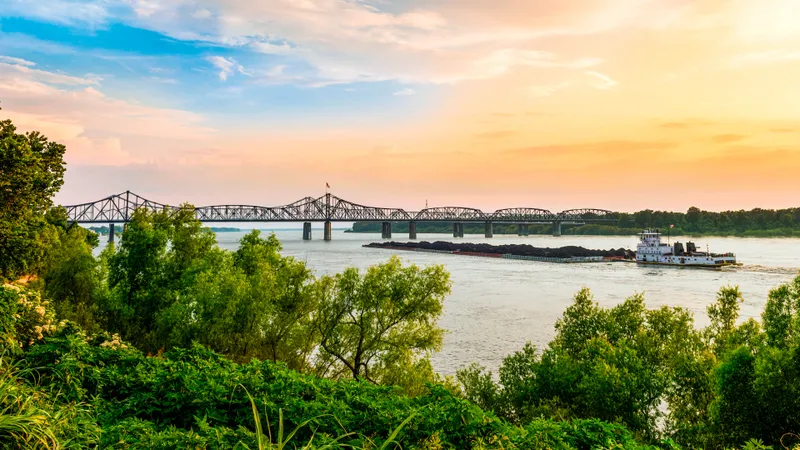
x=426, y=203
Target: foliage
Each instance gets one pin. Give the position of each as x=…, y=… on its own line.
x=731, y=384
x=31, y=172
x=72, y=277
x=612, y=364
x=375, y=325
x=154, y=264
x=24, y=318
x=255, y=303
x=196, y=398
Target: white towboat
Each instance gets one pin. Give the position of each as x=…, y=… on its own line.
x=652, y=251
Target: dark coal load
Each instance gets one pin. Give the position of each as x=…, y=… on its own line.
x=510, y=249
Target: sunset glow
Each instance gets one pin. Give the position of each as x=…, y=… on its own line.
x=615, y=104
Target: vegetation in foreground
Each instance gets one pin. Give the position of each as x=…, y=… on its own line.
x=168, y=341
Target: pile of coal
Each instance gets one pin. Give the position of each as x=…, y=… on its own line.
x=512, y=249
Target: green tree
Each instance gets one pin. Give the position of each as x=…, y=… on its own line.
x=368, y=322
x=31, y=172
x=74, y=280
x=160, y=255
x=254, y=303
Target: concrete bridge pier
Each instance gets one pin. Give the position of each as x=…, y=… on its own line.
x=522, y=229
x=412, y=230
x=307, y=231
x=458, y=230
x=328, y=233
x=557, y=228
x=488, y=229
x=386, y=230
x=111, y=233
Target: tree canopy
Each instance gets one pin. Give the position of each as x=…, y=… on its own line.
x=31, y=172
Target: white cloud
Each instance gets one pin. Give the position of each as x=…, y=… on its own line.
x=23, y=67
x=16, y=61
x=347, y=41
x=404, y=92
x=226, y=66
x=606, y=82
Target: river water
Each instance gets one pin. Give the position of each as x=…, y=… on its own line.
x=497, y=305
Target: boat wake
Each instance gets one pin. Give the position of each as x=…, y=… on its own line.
x=766, y=269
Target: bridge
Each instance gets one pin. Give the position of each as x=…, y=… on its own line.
x=329, y=208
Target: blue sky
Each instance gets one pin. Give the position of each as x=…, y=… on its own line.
x=232, y=84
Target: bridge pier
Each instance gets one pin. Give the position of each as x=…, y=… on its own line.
x=306, y=231
x=412, y=230
x=522, y=229
x=111, y=233
x=488, y=230
x=556, y=228
x=328, y=233
x=386, y=230
x=458, y=230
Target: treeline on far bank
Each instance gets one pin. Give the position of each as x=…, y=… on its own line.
x=754, y=223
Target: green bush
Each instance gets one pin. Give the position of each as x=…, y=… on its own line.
x=197, y=398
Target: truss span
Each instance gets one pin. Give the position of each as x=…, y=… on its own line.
x=523, y=215
x=328, y=208
x=114, y=208
x=451, y=214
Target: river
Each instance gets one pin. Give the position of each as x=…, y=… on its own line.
x=497, y=305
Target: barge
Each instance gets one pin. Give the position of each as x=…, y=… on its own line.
x=563, y=255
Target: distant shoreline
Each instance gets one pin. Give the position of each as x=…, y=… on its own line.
x=790, y=233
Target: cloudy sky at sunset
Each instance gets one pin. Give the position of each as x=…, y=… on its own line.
x=617, y=104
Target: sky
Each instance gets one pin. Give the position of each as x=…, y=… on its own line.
x=556, y=104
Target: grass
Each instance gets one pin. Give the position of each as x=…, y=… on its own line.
x=22, y=419
x=266, y=441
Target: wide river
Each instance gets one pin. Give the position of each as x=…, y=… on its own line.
x=497, y=305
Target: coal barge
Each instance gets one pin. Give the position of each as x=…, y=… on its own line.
x=569, y=254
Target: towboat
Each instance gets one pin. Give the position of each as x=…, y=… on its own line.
x=651, y=250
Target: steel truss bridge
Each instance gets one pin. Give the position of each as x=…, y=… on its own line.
x=329, y=208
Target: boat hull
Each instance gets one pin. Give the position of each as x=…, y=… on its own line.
x=692, y=265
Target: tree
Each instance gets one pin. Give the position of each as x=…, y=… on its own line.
x=254, y=303
x=366, y=322
x=74, y=280
x=160, y=255
x=31, y=172
x=135, y=274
